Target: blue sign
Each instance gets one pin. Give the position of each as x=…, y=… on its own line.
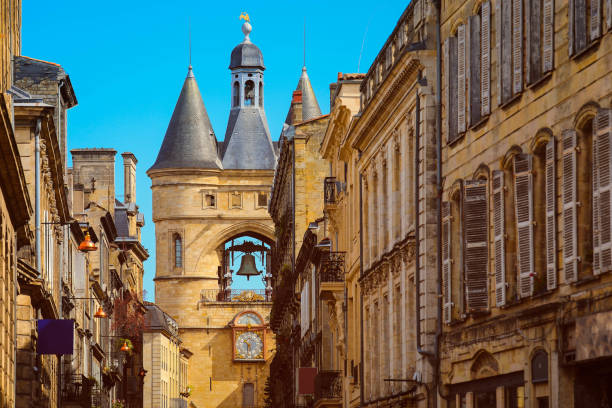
x=55, y=336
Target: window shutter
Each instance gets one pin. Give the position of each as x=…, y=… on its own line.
x=517, y=46
x=570, y=27
x=595, y=226
x=446, y=261
x=498, y=46
x=570, y=244
x=450, y=61
x=506, y=50
x=548, y=10
x=476, y=244
x=595, y=26
x=533, y=21
x=551, y=229
x=461, y=78
x=523, y=203
x=499, y=240
x=485, y=58
x=580, y=19
x=474, y=69
x=603, y=134
x=609, y=14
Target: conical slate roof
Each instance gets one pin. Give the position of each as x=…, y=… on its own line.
x=310, y=106
x=190, y=141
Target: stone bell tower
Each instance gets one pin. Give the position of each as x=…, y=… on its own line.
x=206, y=194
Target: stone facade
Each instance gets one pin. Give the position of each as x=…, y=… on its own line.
x=518, y=156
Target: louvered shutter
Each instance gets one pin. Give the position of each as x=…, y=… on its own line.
x=569, y=193
x=533, y=20
x=595, y=22
x=580, y=29
x=523, y=204
x=499, y=237
x=476, y=244
x=603, y=135
x=461, y=60
x=485, y=58
x=474, y=76
x=595, y=226
x=548, y=14
x=609, y=14
x=551, y=229
x=446, y=261
x=506, y=50
x=571, y=35
x=517, y=46
x=450, y=62
x=498, y=46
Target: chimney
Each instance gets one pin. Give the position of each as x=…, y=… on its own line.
x=129, y=177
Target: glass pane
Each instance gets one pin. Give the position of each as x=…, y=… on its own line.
x=485, y=399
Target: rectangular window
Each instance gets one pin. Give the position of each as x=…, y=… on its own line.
x=210, y=200
x=584, y=24
x=236, y=199
x=539, y=27
x=476, y=246
x=248, y=395
x=509, y=27
x=262, y=199
x=478, y=63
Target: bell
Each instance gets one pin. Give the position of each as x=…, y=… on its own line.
x=247, y=266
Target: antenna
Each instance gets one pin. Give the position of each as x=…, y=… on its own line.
x=190, y=41
x=362, y=43
x=304, y=41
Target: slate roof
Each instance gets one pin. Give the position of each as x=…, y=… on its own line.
x=247, y=142
x=37, y=70
x=121, y=220
x=189, y=141
x=246, y=55
x=157, y=320
x=310, y=106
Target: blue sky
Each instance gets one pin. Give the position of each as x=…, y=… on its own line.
x=127, y=62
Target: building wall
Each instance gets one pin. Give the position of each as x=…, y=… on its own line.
x=503, y=336
x=179, y=207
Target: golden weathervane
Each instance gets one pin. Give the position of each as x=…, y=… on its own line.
x=244, y=16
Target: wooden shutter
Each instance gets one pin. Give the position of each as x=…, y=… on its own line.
x=603, y=136
x=506, y=50
x=523, y=203
x=475, y=215
x=571, y=35
x=595, y=223
x=498, y=46
x=533, y=21
x=551, y=229
x=450, y=62
x=461, y=61
x=485, y=58
x=446, y=261
x=474, y=69
x=569, y=193
x=595, y=22
x=499, y=237
x=548, y=30
x=609, y=14
x=517, y=46
x=580, y=29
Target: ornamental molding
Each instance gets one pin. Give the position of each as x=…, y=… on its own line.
x=389, y=266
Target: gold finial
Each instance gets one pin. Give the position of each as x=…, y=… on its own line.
x=244, y=16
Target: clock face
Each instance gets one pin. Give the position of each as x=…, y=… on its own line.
x=249, y=346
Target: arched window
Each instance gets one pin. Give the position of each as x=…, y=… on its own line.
x=261, y=94
x=539, y=367
x=249, y=93
x=178, y=251
x=236, y=94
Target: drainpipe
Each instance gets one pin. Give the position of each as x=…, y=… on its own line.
x=293, y=251
x=437, y=374
x=37, y=193
x=361, y=354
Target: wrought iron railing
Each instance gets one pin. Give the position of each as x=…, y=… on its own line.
x=328, y=385
x=332, y=266
x=235, y=295
x=330, y=189
x=77, y=388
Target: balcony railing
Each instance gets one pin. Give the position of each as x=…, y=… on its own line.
x=77, y=389
x=328, y=385
x=235, y=295
x=332, y=267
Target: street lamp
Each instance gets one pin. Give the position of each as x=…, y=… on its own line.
x=87, y=245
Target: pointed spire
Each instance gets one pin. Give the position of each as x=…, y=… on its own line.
x=310, y=106
x=189, y=140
